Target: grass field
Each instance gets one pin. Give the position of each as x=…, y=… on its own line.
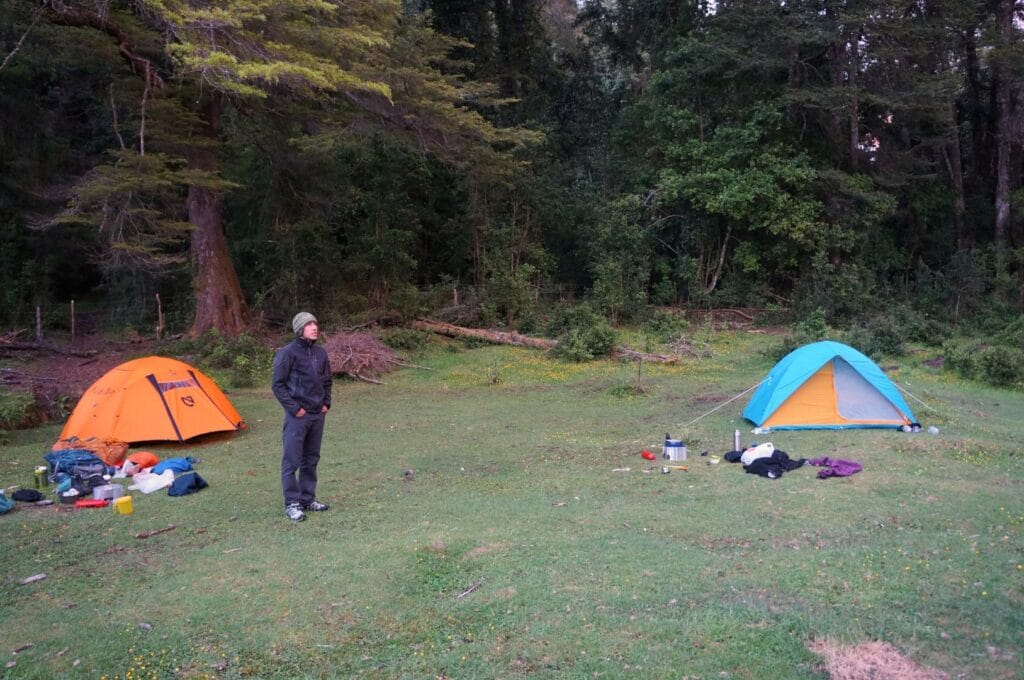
x=515, y=549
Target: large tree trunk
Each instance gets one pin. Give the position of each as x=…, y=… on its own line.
x=1004, y=134
x=954, y=166
x=219, y=300
x=852, y=72
x=978, y=168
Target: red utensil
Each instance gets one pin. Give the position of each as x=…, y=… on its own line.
x=91, y=503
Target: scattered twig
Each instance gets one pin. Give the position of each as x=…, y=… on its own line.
x=22, y=648
x=44, y=347
x=467, y=591
x=360, y=355
x=147, y=534
x=231, y=550
x=11, y=375
x=408, y=365
x=32, y=579
x=683, y=346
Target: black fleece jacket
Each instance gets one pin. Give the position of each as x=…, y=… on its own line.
x=302, y=377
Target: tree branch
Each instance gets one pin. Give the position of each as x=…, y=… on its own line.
x=35, y=20
x=113, y=114
x=140, y=65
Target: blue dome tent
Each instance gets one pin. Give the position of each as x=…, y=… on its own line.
x=827, y=385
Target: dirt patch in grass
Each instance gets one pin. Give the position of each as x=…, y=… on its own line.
x=724, y=543
x=57, y=375
x=489, y=548
x=875, y=660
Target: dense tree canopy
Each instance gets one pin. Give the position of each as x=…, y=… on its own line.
x=251, y=157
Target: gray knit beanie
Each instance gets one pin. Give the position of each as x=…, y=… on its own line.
x=300, y=321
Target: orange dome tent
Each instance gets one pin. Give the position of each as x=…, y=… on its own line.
x=151, y=399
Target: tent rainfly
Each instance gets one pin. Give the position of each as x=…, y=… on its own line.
x=827, y=385
x=151, y=399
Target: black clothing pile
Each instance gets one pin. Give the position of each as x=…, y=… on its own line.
x=772, y=466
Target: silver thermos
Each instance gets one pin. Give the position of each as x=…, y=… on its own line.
x=736, y=440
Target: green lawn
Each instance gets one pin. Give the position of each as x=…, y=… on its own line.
x=516, y=550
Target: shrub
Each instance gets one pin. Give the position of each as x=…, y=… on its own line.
x=1013, y=334
x=584, y=344
x=586, y=335
x=18, y=409
x=666, y=327
x=879, y=336
x=962, y=357
x=245, y=360
x=408, y=339
x=811, y=329
x=508, y=298
x=1001, y=366
x=995, y=364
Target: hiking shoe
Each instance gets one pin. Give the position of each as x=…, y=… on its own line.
x=316, y=506
x=294, y=512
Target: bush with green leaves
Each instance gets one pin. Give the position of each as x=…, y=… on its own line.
x=961, y=356
x=1002, y=366
x=877, y=337
x=995, y=364
x=665, y=327
x=510, y=297
x=408, y=339
x=811, y=329
x=1013, y=334
x=585, y=334
x=886, y=333
x=18, y=409
x=245, y=360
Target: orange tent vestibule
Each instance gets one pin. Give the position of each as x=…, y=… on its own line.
x=152, y=399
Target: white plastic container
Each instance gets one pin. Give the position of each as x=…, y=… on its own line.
x=675, y=449
x=108, y=492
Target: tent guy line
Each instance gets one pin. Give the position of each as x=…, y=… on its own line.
x=909, y=394
x=724, y=404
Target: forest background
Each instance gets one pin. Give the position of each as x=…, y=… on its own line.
x=488, y=162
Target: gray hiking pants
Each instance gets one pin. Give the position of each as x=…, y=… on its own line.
x=301, y=438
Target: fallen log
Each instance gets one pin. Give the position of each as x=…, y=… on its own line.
x=496, y=337
x=518, y=340
x=633, y=355
x=43, y=347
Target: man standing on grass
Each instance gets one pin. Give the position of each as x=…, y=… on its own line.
x=302, y=383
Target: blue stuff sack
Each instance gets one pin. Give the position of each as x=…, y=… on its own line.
x=176, y=464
